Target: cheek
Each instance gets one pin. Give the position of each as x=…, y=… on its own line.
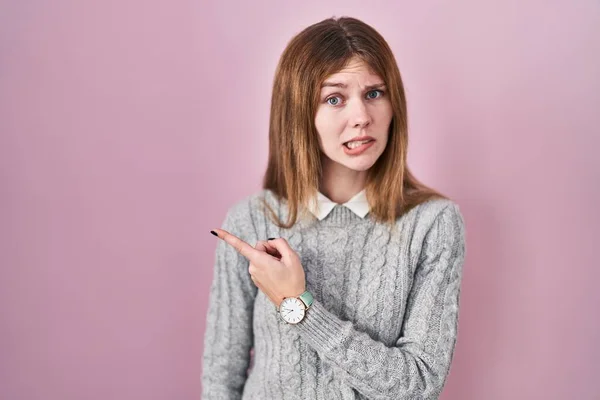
x=390, y=115
x=385, y=114
x=328, y=128
x=322, y=120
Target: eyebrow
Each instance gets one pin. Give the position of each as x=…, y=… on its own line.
x=343, y=85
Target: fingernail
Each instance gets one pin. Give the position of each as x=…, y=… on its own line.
x=214, y=233
x=271, y=239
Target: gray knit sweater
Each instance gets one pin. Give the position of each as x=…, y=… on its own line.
x=384, y=321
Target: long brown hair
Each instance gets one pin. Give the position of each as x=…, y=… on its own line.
x=294, y=167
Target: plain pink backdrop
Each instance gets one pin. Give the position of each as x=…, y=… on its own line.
x=127, y=129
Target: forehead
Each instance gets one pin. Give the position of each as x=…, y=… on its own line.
x=355, y=68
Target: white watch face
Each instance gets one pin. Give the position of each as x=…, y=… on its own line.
x=292, y=310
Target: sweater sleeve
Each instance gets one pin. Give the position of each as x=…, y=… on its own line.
x=417, y=366
x=228, y=337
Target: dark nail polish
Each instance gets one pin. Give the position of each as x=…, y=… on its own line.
x=214, y=233
x=271, y=239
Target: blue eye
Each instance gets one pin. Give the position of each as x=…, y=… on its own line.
x=376, y=92
x=333, y=98
x=371, y=95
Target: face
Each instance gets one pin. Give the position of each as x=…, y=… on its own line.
x=353, y=104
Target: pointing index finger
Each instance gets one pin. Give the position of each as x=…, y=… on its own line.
x=239, y=245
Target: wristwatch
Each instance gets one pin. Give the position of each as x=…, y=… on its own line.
x=293, y=309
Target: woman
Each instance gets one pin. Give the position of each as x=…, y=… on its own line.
x=351, y=289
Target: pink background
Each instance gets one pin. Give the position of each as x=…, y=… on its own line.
x=127, y=128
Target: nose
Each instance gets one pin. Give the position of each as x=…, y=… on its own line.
x=359, y=115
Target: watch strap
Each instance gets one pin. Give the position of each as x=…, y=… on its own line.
x=307, y=298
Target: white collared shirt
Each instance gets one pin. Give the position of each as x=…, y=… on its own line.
x=358, y=204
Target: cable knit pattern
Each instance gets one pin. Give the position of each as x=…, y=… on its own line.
x=374, y=262
x=384, y=322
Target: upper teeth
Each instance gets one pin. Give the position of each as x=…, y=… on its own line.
x=355, y=144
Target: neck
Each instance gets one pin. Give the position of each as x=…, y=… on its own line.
x=340, y=183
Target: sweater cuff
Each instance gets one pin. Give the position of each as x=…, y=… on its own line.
x=321, y=329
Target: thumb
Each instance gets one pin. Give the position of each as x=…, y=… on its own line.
x=267, y=248
x=283, y=248
x=261, y=245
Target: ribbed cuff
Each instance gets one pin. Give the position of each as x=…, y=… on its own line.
x=321, y=329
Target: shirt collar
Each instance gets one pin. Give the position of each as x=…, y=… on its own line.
x=358, y=204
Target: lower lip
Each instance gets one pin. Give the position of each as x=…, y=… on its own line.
x=358, y=150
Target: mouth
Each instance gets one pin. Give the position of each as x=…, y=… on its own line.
x=355, y=148
x=354, y=144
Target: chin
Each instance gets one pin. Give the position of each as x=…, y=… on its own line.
x=360, y=166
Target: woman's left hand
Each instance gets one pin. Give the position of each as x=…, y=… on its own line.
x=275, y=267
